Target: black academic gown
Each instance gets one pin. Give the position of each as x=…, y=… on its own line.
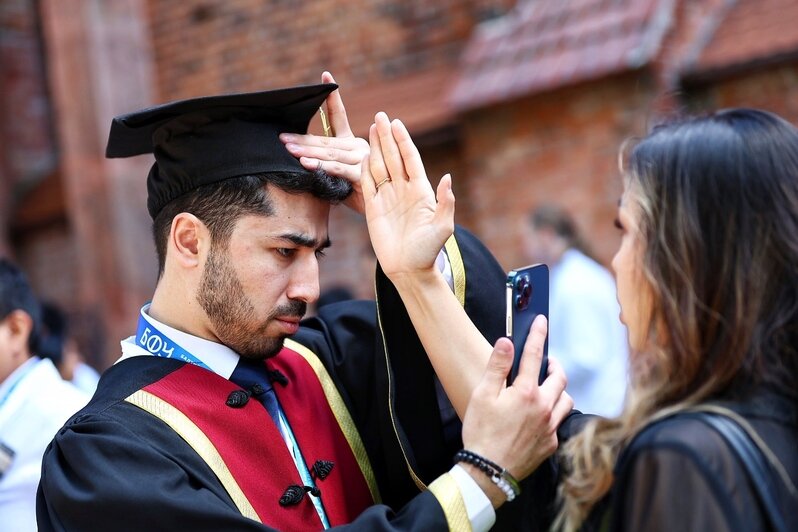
x=116, y=467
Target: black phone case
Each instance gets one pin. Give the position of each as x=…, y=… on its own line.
x=527, y=296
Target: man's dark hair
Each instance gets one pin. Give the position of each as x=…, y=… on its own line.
x=220, y=204
x=16, y=294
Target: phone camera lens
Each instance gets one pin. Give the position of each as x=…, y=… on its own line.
x=523, y=292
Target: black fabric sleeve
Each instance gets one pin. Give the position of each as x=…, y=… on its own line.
x=99, y=474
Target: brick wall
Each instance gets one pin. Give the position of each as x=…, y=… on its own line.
x=204, y=47
x=559, y=147
x=99, y=66
x=774, y=89
x=26, y=142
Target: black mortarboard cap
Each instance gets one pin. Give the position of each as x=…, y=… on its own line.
x=204, y=140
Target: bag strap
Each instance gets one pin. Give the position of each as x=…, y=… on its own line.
x=752, y=458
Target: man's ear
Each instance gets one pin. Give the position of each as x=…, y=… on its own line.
x=20, y=327
x=189, y=240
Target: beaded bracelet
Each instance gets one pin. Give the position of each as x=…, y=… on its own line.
x=497, y=474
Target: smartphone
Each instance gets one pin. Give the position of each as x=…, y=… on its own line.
x=527, y=296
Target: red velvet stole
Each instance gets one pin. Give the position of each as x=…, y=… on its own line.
x=254, y=451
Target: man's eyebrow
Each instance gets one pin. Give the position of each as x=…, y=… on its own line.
x=305, y=241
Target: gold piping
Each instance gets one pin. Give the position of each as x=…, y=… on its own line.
x=341, y=415
x=448, y=494
x=458, y=269
x=198, y=441
x=325, y=124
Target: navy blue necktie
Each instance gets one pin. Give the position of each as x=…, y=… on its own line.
x=253, y=377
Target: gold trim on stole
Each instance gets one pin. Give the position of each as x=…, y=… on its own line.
x=451, y=500
x=458, y=269
x=341, y=414
x=198, y=441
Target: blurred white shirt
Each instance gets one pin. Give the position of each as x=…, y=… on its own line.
x=85, y=378
x=36, y=402
x=586, y=334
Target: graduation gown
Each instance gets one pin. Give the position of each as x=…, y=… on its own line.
x=362, y=396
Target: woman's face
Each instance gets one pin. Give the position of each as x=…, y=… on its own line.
x=634, y=294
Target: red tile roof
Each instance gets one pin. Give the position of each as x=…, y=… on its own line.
x=542, y=45
x=752, y=31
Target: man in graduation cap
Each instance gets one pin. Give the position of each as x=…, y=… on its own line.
x=224, y=412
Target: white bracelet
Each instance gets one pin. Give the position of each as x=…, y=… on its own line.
x=503, y=485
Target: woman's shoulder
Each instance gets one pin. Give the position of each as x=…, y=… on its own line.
x=685, y=432
x=683, y=462
x=685, y=443
x=677, y=473
x=690, y=433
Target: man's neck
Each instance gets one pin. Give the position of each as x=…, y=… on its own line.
x=179, y=312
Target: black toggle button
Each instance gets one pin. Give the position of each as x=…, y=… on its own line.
x=237, y=399
x=275, y=375
x=295, y=493
x=322, y=468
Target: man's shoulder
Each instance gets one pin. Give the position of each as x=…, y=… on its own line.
x=130, y=375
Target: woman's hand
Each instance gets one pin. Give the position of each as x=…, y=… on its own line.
x=516, y=426
x=407, y=226
x=339, y=155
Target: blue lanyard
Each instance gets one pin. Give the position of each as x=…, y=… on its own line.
x=148, y=337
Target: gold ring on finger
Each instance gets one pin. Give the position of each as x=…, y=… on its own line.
x=386, y=180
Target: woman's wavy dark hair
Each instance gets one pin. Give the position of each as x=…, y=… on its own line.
x=717, y=198
x=219, y=205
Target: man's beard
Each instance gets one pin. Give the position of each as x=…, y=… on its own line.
x=232, y=314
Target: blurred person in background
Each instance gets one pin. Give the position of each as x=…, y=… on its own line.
x=585, y=332
x=34, y=400
x=59, y=346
